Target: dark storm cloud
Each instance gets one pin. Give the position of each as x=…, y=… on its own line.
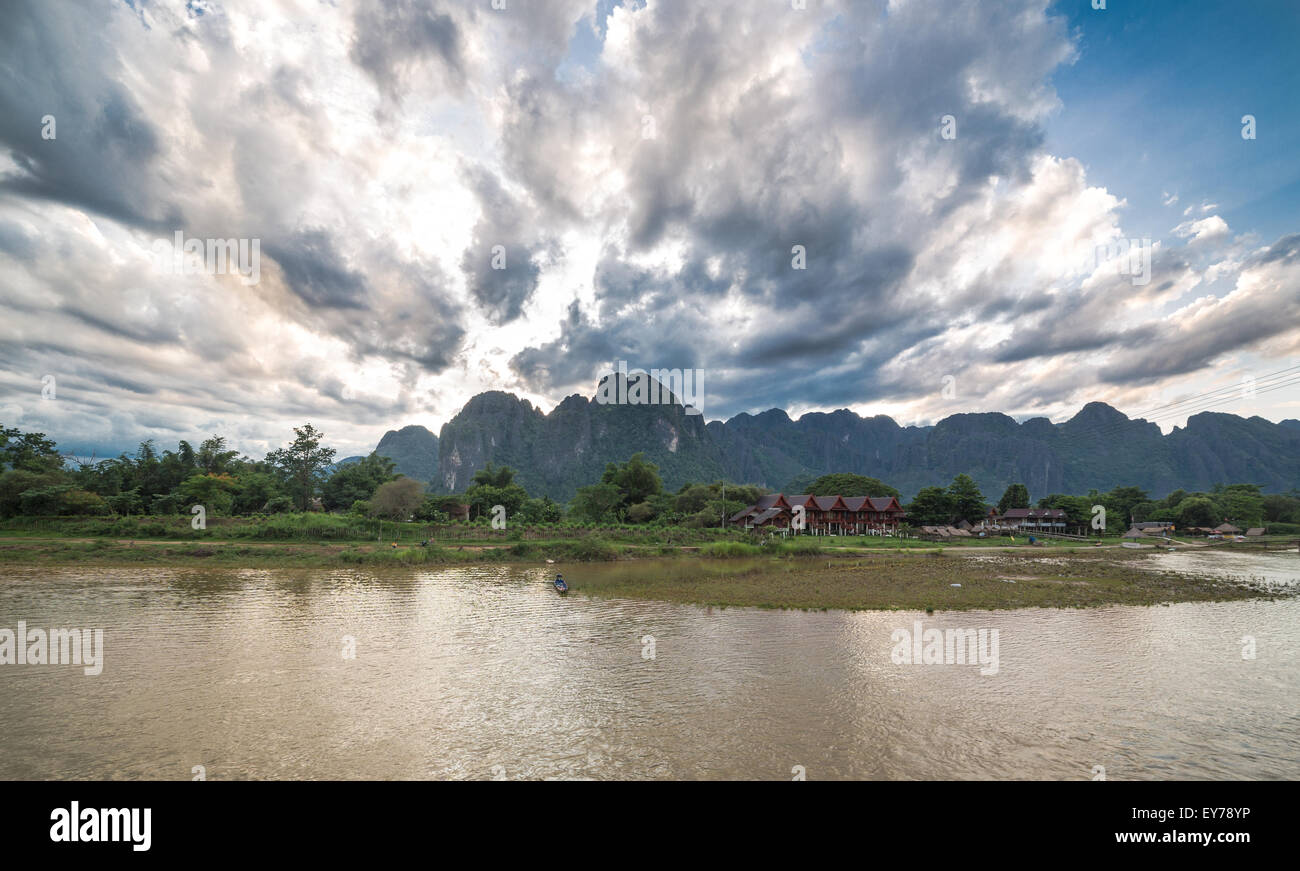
x=104, y=153
x=317, y=272
x=741, y=168
x=394, y=40
x=653, y=173
x=500, y=264
x=1269, y=308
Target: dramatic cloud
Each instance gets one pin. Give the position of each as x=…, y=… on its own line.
x=848, y=205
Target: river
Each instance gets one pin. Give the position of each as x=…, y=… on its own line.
x=485, y=672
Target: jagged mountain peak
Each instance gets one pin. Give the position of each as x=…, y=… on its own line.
x=1100, y=447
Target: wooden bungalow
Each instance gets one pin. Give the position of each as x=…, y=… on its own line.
x=1040, y=519
x=769, y=510
x=825, y=515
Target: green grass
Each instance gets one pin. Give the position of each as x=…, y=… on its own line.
x=883, y=582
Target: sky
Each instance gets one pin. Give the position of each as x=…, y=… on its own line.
x=898, y=207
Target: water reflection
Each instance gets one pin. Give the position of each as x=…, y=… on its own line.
x=484, y=671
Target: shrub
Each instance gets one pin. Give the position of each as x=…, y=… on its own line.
x=729, y=549
x=800, y=546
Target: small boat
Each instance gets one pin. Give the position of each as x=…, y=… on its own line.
x=561, y=586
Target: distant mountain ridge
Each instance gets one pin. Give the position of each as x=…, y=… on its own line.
x=1099, y=448
x=413, y=450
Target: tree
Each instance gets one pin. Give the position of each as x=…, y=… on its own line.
x=692, y=498
x=1281, y=509
x=1244, y=503
x=254, y=488
x=14, y=483
x=1196, y=511
x=967, y=501
x=213, y=492
x=1121, y=504
x=28, y=451
x=303, y=463
x=846, y=484
x=540, y=511
x=83, y=502
x=397, y=500
x=1016, y=496
x=495, y=486
x=494, y=476
x=278, y=505
x=213, y=458
x=356, y=481
x=636, y=480
x=1078, y=509
x=932, y=506
x=439, y=509
x=597, y=503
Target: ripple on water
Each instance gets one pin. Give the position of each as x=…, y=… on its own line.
x=483, y=671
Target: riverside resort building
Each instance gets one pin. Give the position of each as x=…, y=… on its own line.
x=823, y=515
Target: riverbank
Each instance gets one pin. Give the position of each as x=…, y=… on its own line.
x=940, y=582
x=938, y=579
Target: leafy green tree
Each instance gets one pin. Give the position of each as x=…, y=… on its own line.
x=693, y=498
x=495, y=486
x=932, y=506
x=28, y=451
x=495, y=476
x=1243, y=503
x=214, y=492
x=126, y=502
x=1121, y=503
x=279, y=505
x=1015, y=496
x=540, y=511
x=15, y=482
x=439, y=509
x=398, y=499
x=597, y=503
x=1078, y=509
x=303, y=463
x=356, y=481
x=1279, y=508
x=967, y=501
x=254, y=488
x=847, y=484
x=213, y=457
x=636, y=480
x=1197, y=511
x=83, y=503
x=43, y=501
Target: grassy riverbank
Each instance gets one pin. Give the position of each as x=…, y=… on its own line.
x=798, y=575
x=29, y=548
x=916, y=582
